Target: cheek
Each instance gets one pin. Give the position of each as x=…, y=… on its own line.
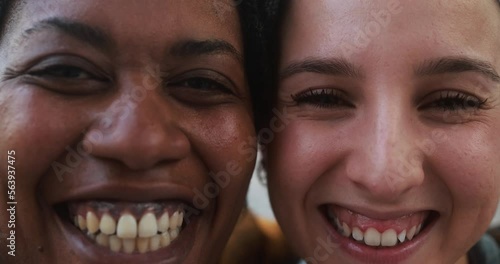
x=297, y=159
x=301, y=154
x=226, y=142
x=471, y=169
x=38, y=129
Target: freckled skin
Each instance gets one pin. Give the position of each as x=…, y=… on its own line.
x=388, y=151
x=171, y=137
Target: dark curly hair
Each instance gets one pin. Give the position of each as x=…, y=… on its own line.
x=251, y=13
x=4, y=6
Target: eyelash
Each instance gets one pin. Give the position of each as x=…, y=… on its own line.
x=64, y=72
x=448, y=100
x=455, y=101
x=202, y=84
x=321, y=98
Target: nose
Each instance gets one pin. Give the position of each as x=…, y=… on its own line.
x=386, y=161
x=139, y=131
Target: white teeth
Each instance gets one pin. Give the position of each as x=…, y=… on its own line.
x=148, y=226
x=165, y=239
x=102, y=240
x=92, y=222
x=389, y=238
x=346, y=230
x=163, y=223
x=357, y=234
x=142, y=244
x=115, y=243
x=130, y=235
x=411, y=233
x=181, y=219
x=174, y=219
x=127, y=227
x=155, y=242
x=337, y=222
x=82, y=223
x=402, y=236
x=372, y=237
x=128, y=245
x=107, y=225
x=174, y=233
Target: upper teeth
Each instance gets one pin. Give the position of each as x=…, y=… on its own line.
x=372, y=237
x=127, y=234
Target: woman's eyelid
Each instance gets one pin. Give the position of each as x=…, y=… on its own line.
x=432, y=99
x=209, y=75
x=320, y=91
x=70, y=61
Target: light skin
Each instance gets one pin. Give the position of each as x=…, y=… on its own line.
x=154, y=91
x=405, y=125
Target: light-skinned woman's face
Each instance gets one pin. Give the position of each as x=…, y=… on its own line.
x=390, y=150
x=130, y=123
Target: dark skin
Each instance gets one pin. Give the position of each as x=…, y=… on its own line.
x=157, y=100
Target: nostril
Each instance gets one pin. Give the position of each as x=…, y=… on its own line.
x=385, y=184
x=143, y=147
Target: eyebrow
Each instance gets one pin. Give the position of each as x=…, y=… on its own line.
x=101, y=40
x=83, y=32
x=331, y=66
x=457, y=65
x=205, y=47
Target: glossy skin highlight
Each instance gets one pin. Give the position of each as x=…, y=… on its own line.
x=153, y=100
x=382, y=125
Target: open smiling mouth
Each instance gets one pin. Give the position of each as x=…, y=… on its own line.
x=379, y=233
x=126, y=227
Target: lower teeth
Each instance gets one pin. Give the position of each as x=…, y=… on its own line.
x=137, y=245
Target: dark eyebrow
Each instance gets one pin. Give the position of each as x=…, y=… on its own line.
x=331, y=66
x=457, y=65
x=205, y=47
x=81, y=31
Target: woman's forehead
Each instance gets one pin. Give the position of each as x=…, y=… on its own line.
x=144, y=19
x=398, y=28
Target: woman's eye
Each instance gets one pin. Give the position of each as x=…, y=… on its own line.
x=455, y=101
x=202, y=84
x=67, y=75
x=322, y=98
x=63, y=71
x=202, y=87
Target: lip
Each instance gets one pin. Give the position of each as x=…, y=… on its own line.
x=125, y=192
x=87, y=250
x=367, y=254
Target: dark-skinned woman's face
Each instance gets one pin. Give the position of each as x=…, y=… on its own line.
x=130, y=122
